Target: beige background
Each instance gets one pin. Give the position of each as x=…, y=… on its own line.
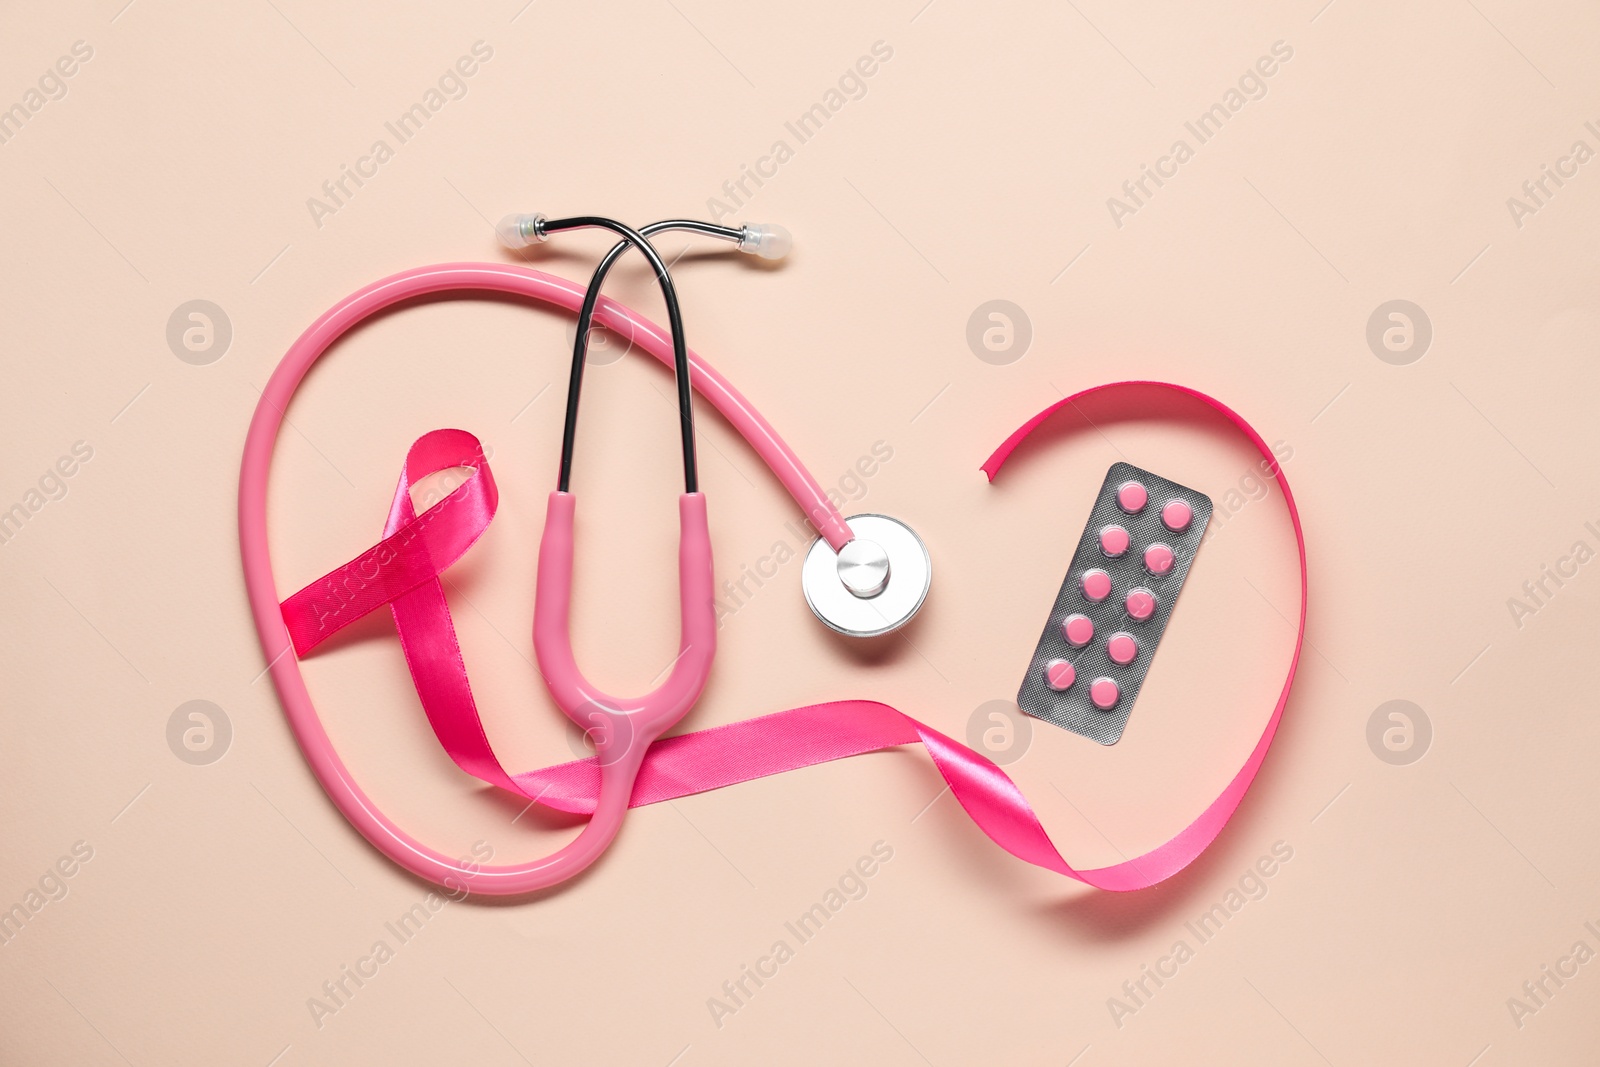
x=976, y=166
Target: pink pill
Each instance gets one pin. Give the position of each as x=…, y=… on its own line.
x=1104, y=693
x=1078, y=630
x=1122, y=648
x=1176, y=515
x=1096, y=585
x=1114, y=541
x=1132, y=497
x=1158, y=559
x=1141, y=604
x=1059, y=675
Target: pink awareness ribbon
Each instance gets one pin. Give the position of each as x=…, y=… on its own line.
x=403, y=570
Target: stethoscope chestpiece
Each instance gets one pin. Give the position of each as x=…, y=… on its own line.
x=874, y=584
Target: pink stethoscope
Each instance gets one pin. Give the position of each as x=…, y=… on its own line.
x=863, y=576
x=876, y=585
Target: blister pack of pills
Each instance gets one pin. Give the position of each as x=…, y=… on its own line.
x=1114, y=604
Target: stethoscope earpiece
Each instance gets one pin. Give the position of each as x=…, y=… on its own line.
x=520, y=231
x=875, y=584
x=766, y=239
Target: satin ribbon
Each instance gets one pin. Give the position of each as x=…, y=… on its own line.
x=403, y=571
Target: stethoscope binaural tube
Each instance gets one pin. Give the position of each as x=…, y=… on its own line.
x=680, y=351
x=580, y=344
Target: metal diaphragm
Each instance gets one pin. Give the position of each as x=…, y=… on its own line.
x=875, y=584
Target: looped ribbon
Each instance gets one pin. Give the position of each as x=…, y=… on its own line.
x=402, y=571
